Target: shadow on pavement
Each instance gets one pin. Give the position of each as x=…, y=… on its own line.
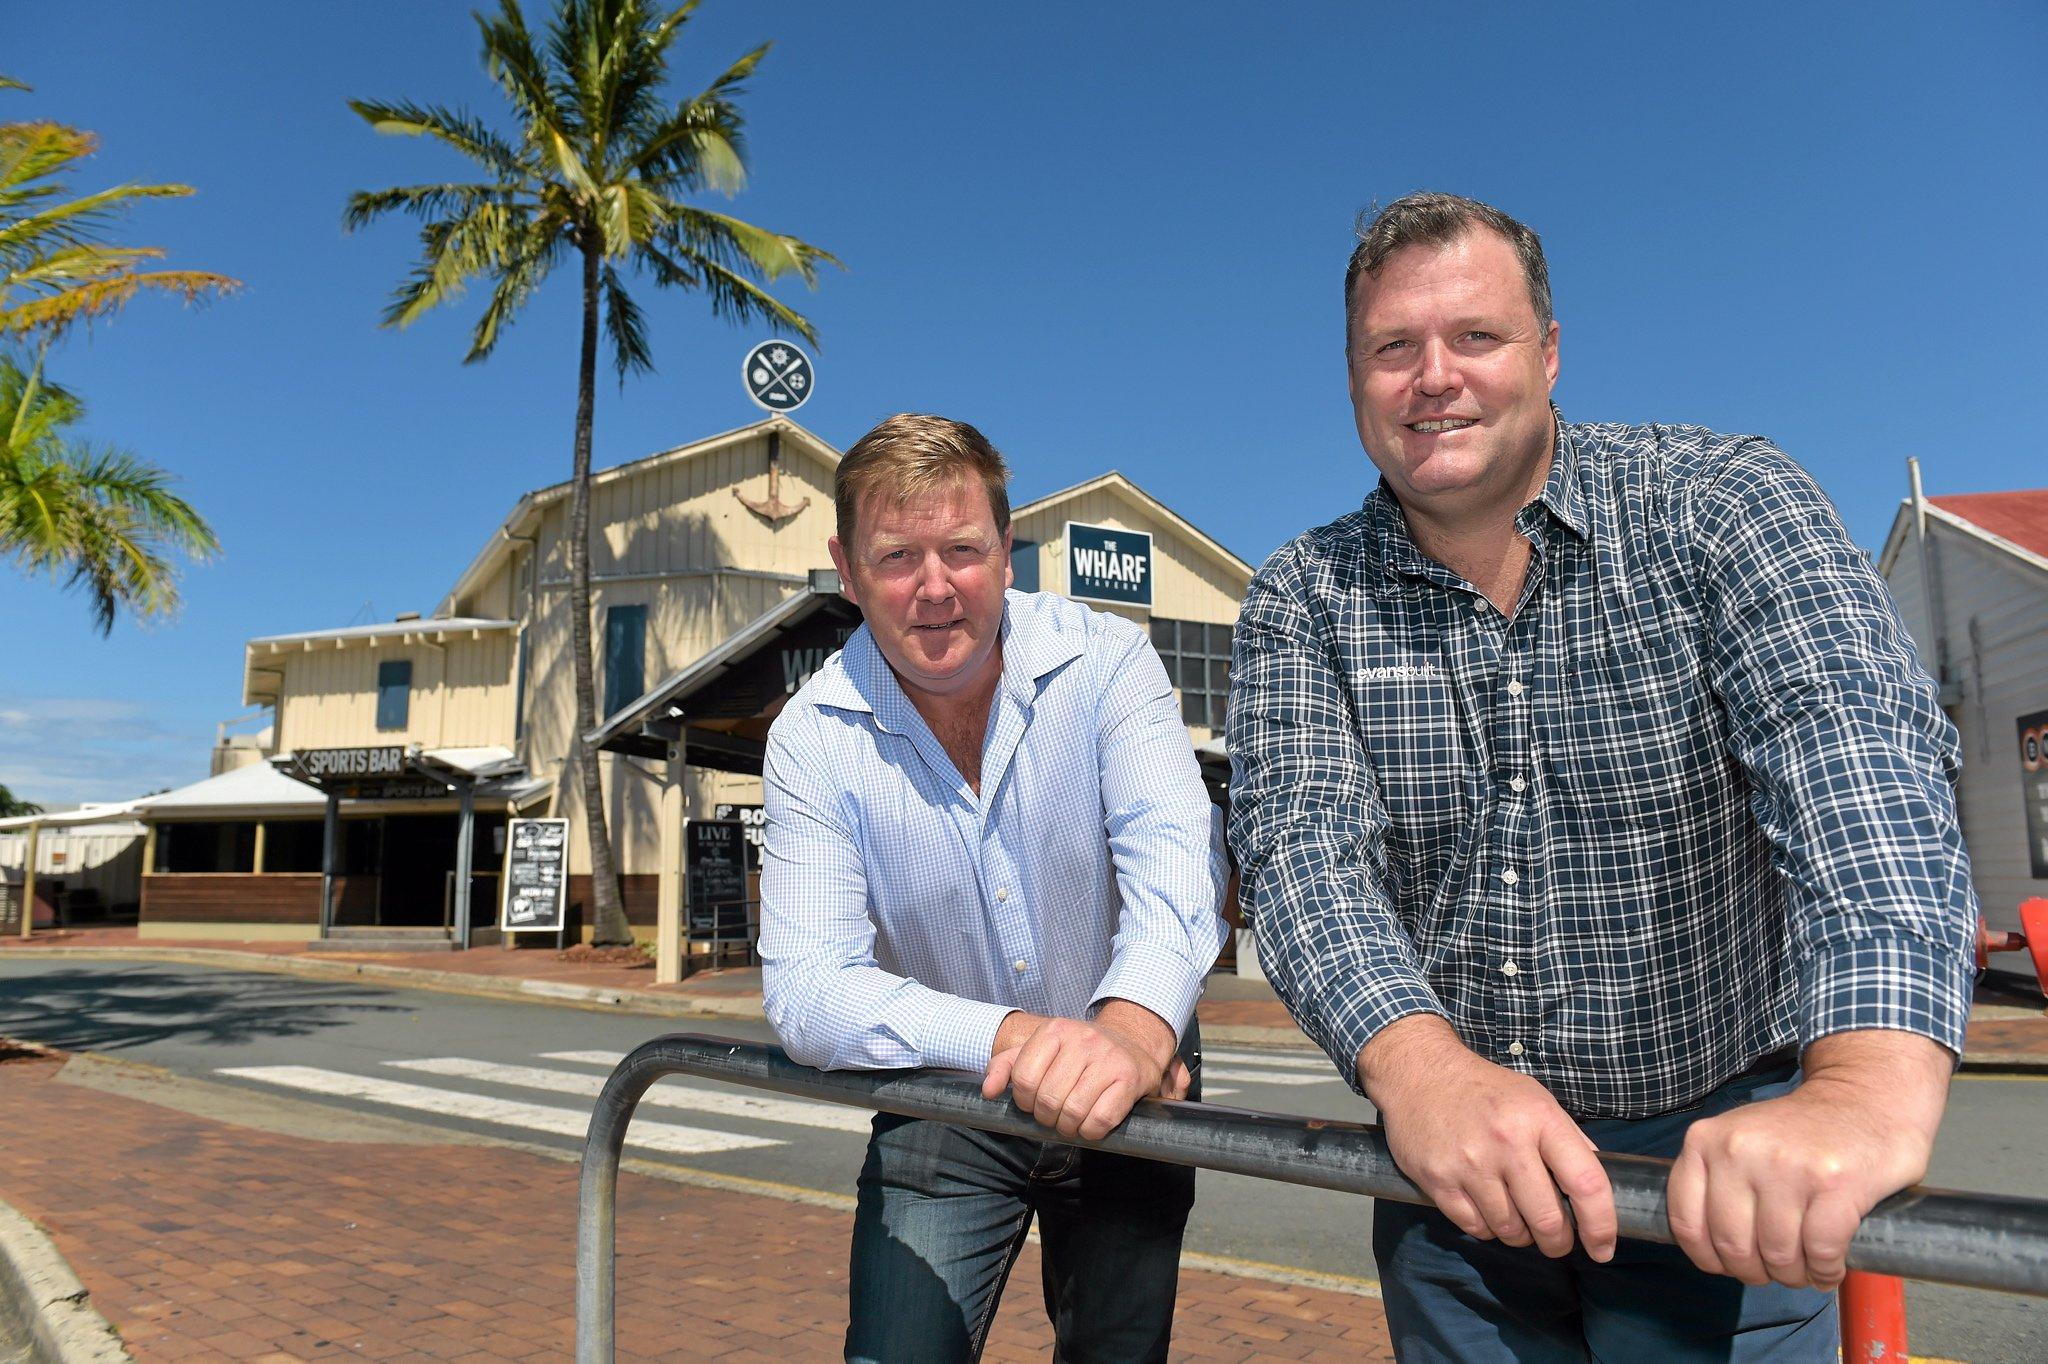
x=85, y=1009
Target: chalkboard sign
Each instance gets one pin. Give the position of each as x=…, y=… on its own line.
x=536, y=876
x=716, y=856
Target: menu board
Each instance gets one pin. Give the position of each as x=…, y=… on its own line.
x=717, y=860
x=536, y=876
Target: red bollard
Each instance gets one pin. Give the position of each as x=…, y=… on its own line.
x=1873, y=1308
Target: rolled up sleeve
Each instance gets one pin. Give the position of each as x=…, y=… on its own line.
x=1308, y=826
x=1851, y=762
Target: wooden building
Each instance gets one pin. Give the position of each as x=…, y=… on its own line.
x=1970, y=573
x=691, y=549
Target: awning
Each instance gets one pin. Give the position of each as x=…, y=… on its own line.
x=90, y=813
x=722, y=704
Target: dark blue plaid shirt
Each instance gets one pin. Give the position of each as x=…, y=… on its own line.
x=1692, y=805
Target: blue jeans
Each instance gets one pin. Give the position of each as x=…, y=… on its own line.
x=1450, y=1297
x=941, y=1218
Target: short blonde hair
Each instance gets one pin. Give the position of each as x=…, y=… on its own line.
x=912, y=454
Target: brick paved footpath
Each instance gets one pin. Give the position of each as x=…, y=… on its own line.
x=206, y=1240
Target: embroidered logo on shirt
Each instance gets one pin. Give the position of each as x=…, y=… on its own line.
x=1400, y=672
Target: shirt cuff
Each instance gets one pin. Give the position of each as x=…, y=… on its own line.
x=1155, y=979
x=960, y=1034
x=1343, y=1003
x=1890, y=984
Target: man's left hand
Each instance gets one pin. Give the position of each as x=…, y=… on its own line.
x=1081, y=1078
x=1774, y=1191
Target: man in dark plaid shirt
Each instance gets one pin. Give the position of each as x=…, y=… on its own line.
x=1588, y=794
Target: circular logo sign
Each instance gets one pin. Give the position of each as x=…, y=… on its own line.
x=778, y=376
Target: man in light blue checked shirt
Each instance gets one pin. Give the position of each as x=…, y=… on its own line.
x=989, y=848
x=1588, y=793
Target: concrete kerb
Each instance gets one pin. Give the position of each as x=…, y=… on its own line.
x=598, y=997
x=53, y=1303
x=606, y=999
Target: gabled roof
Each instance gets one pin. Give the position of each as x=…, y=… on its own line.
x=2019, y=518
x=1118, y=482
x=259, y=692
x=2013, y=523
x=525, y=511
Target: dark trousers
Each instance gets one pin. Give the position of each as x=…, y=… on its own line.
x=1450, y=1297
x=942, y=1214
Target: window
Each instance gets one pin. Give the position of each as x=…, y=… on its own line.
x=211, y=847
x=394, y=692
x=1024, y=565
x=1197, y=658
x=625, y=657
x=293, y=845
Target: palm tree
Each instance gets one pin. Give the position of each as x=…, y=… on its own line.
x=10, y=806
x=599, y=174
x=54, y=270
x=101, y=517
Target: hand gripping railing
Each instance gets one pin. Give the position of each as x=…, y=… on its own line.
x=1978, y=1240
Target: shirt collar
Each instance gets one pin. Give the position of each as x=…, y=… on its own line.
x=1562, y=495
x=1032, y=648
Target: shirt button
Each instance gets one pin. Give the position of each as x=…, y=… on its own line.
x=1511, y=876
x=1510, y=969
x=1002, y=895
x=1516, y=784
x=1516, y=1048
x=1021, y=965
x=1515, y=688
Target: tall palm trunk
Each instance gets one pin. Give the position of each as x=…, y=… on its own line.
x=610, y=910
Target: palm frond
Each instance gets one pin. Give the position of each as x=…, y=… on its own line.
x=626, y=326
x=531, y=264
x=52, y=314
x=104, y=520
x=79, y=219
x=425, y=201
x=510, y=59
x=734, y=298
x=732, y=241
x=456, y=127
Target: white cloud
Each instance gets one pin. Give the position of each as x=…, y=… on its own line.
x=64, y=750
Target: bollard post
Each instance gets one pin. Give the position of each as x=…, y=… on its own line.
x=1873, y=1308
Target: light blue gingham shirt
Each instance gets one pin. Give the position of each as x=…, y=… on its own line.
x=903, y=916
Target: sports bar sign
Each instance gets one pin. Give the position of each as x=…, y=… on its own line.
x=379, y=773
x=1109, y=564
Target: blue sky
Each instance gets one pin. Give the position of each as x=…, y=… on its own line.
x=1112, y=236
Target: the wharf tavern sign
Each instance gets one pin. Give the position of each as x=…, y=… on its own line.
x=1108, y=564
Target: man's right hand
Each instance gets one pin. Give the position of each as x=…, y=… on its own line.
x=1490, y=1147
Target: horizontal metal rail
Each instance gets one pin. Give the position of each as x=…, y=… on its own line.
x=1977, y=1240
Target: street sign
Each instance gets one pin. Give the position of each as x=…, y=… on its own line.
x=1109, y=564
x=536, y=876
x=778, y=376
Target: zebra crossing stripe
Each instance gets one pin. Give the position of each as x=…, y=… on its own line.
x=567, y=1122
x=665, y=1094
x=1267, y=1059
x=1264, y=1077
x=586, y=1058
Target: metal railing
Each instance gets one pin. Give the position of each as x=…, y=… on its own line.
x=1975, y=1240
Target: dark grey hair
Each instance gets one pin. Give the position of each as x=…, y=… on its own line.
x=1428, y=218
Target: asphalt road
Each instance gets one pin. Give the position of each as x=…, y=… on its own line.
x=526, y=1071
